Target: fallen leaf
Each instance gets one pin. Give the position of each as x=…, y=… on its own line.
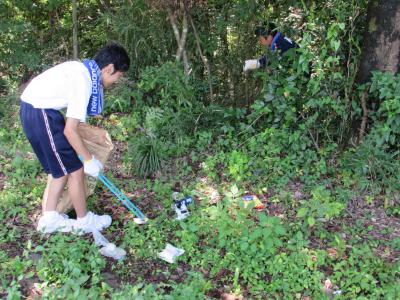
x=227, y=296
x=332, y=253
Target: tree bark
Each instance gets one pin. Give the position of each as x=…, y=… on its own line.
x=381, y=40
x=180, y=39
x=75, y=29
x=381, y=51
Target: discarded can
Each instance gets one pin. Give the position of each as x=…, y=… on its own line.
x=181, y=207
x=247, y=199
x=258, y=205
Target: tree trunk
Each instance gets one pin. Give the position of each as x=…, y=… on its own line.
x=381, y=51
x=382, y=39
x=75, y=29
x=180, y=39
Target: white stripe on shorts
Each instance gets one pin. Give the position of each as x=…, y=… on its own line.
x=53, y=146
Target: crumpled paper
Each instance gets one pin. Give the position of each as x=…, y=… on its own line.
x=170, y=253
x=139, y=221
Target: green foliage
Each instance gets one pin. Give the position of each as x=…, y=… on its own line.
x=120, y=99
x=374, y=163
x=320, y=208
x=71, y=290
x=238, y=165
x=139, y=291
x=167, y=119
x=145, y=32
x=264, y=131
x=14, y=269
x=13, y=30
x=364, y=275
x=373, y=168
x=146, y=154
x=66, y=259
x=386, y=87
x=296, y=274
x=233, y=241
x=194, y=287
x=23, y=169
x=165, y=86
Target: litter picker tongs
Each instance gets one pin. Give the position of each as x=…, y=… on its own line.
x=121, y=197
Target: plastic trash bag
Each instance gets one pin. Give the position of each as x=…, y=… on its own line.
x=99, y=144
x=108, y=249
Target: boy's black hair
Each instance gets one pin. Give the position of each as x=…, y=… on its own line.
x=115, y=54
x=266, y=30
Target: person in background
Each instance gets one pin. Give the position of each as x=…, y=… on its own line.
x=78, y=88
x=272, y=39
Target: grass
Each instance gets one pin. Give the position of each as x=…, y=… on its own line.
x=291, y=250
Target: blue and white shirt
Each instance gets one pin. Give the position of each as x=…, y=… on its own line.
x=279, y=43
x=67, y=85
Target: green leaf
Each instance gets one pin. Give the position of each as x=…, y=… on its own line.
x=244, y=246
x=234, y=190
x=302, y=212
x=279, y=230
x=335, y=45
x=255, y=235
x=311, y=221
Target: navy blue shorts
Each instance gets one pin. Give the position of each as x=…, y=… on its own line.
x=44, y=129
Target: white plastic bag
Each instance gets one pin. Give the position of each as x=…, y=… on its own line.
x=251, y=64
x=170, y=253
x=108, y=249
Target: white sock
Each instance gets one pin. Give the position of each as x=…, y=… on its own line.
x=83, y=218
x=50, y=213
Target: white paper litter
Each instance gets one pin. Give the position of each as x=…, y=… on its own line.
x=113, y=251
x=170, y=253
x=338, y=292
x=108, y=249
x=140, y=221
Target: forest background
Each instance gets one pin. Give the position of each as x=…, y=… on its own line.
x=320, y=151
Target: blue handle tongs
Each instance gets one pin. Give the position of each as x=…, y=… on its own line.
x=121, y=197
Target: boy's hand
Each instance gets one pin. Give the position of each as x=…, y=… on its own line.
x=92, y=167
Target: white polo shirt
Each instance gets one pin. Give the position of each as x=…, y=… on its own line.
x=67, y=85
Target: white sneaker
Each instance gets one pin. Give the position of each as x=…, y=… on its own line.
x=52, y=221
x=90, y=221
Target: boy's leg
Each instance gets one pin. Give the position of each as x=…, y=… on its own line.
x=76, y=192
x=87, y=221
x=44, y=129
x=51, y=220
x=55, y=189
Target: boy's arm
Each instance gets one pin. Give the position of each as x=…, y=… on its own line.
x=74, y=138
